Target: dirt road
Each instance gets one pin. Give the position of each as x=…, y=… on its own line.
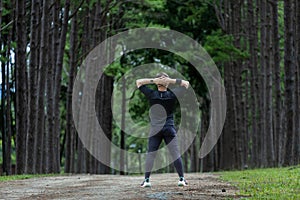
x=164, y=186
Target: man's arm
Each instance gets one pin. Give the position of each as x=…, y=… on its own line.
x=182, y=83
x=146, y=81
x=162, y=81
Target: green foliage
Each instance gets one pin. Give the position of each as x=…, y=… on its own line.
x=142, y=13
x=7, y=21
x=193, y=18
x=220, y=47
x=276, y=183
x=24, y=176
x=3, y=59
x=13, y=153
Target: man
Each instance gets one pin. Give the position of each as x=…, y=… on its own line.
x=162, y=102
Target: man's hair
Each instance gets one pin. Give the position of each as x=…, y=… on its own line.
x=162, y=74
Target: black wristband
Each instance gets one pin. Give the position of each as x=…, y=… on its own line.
x=178, y=81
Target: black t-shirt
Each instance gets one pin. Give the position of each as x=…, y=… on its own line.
x=162, y=105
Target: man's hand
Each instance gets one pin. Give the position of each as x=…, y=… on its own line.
x=165, y=81
x=185, y=84
x=162, y=81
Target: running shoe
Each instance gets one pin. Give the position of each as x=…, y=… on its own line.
x=182, y=182
x=146, y=183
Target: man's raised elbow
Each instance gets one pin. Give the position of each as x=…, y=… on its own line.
x=138, y=83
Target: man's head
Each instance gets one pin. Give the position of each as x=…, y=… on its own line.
x=162, y=75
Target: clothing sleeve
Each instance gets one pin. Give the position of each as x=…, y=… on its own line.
x=145, y=90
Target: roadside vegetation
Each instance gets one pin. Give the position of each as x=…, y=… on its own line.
x=24, y=176
x=271, y=183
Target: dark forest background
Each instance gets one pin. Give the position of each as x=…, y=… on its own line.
x=254, y=43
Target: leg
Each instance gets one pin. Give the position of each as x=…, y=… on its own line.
x=172, y=143
x=153, y=145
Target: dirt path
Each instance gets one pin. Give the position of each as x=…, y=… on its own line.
x=164, y=186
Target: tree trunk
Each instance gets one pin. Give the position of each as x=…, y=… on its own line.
x=57, y=87
x=263, y=106
x=289, y=67
x=8, y=151
x=205, y=164
x=3, y=118
x=43, y=67
x=194, y=167
x=21, y=86
x=123, y=113
x=70, y=133
x=3, y=101
x=32, y=97
x=105, y=116
x=269, y=93
x=234, y=79
x=238, y=86
x=296, y=92
x=98, y=31
x=53, y=46
x=278, y=133
x=297, y=43
x=80, y=157
x=253, y=38
x=227, y=138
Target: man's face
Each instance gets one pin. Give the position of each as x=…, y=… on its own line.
x=162, y=85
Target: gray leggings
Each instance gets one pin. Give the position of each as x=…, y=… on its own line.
x=168, y=133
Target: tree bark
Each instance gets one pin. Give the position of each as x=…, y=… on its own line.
x=105, y=116
x=8, y=151
x=227, y=138
x=53, y=46
x=289, y=67
x=253, y=45
x=2, y=100
x=70, y=133
x=297, y=42
x=239, y=68
x=256, y=88
x=3, y=118
x=278, y=131
x=296, y=137
x=123, y=139
x=270, y=157
x=57, y=87
x=21, y=86
x=32, y=97
x=263, y=106
x=43, y=66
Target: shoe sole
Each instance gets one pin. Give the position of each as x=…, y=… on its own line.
x=181, y=184
x=146, y=186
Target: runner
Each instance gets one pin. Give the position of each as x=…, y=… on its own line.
x=162, y=102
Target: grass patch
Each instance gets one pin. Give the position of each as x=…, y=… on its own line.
x=24, y=176
x=271, y=183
